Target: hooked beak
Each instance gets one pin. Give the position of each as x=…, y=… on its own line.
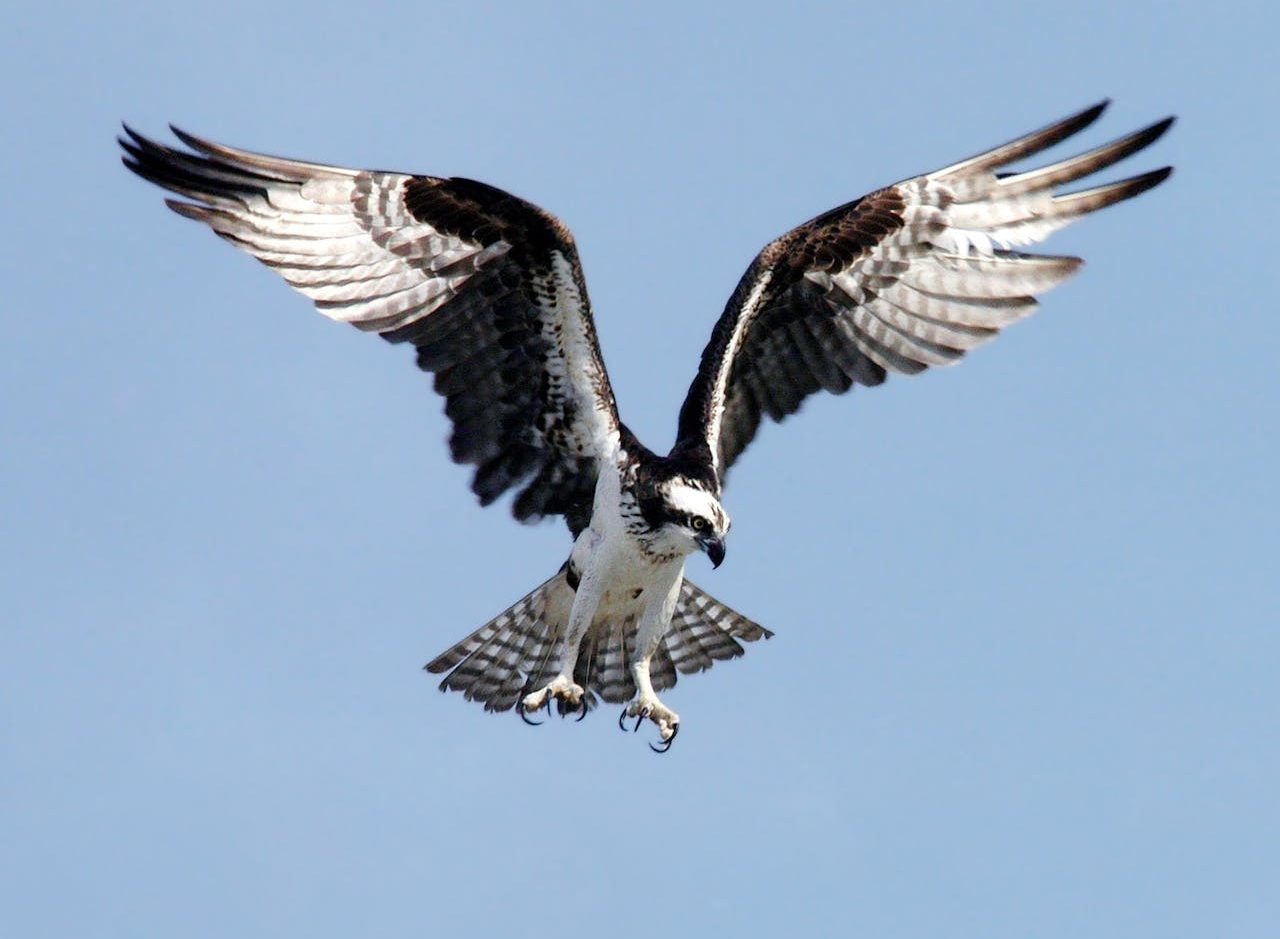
x=714, y=548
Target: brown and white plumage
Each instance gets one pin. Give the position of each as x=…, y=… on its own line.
x=513, y=654
x=909, y=276
x=489, y=290
x=486, y=286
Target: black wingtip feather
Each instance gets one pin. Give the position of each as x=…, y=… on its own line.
x=1093, y=112
x=1149, y=180
x=1122, y=190
x=1069, y=127
x=1149, y=135
x=1031, y=143
x=1146, y=137
x=189, y=174
x=191, y=140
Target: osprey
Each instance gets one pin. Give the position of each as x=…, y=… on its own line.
x=489, y=290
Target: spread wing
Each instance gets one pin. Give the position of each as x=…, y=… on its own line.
x=487, y=287
x=910, y=276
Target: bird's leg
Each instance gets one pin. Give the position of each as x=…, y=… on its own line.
x=654, y=622
x=562, y=687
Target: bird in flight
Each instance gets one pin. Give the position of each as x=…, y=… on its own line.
x=489, y=290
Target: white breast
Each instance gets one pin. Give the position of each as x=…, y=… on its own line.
x=627, y=569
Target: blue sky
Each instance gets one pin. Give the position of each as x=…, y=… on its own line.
x=1023, y=682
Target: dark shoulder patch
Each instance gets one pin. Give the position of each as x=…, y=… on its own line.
x=831, y=241
x=484, y=214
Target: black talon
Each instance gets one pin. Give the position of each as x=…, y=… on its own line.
x=639, y=720
x=583, y=712
x=622, y=717
x=524, y=715
x=666, y=744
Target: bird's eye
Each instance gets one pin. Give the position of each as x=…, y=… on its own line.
x=699, y=524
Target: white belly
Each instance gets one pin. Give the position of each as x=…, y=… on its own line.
x=629, y=576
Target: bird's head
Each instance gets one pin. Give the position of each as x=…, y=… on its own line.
x=691, y=517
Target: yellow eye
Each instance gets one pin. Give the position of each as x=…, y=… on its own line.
x=699, y=524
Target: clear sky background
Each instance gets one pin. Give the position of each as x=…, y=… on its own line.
x=1024, y=679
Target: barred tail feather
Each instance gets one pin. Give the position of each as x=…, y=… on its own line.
x=512, y=654
x=704, y=630
x=518, y=651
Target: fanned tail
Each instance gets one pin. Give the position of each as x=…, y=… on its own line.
x=518, y=651
x=513, y=654
x=704, y=630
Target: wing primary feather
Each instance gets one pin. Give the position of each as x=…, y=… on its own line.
x=1028, y=144
x=1085, y=164
x=287, y=169
x=1100, y=197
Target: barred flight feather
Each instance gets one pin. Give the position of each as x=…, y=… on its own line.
x=486, y=286
x=910, y=276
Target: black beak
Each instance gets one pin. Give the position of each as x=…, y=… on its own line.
x=715, y=550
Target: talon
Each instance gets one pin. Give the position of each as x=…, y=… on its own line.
x=622, y=717
x=524, y=715
x=583, y=712
x=666, y=744
x=639, y=721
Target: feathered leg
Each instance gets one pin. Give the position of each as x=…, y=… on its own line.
x=660, y=604
x=585, y=602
